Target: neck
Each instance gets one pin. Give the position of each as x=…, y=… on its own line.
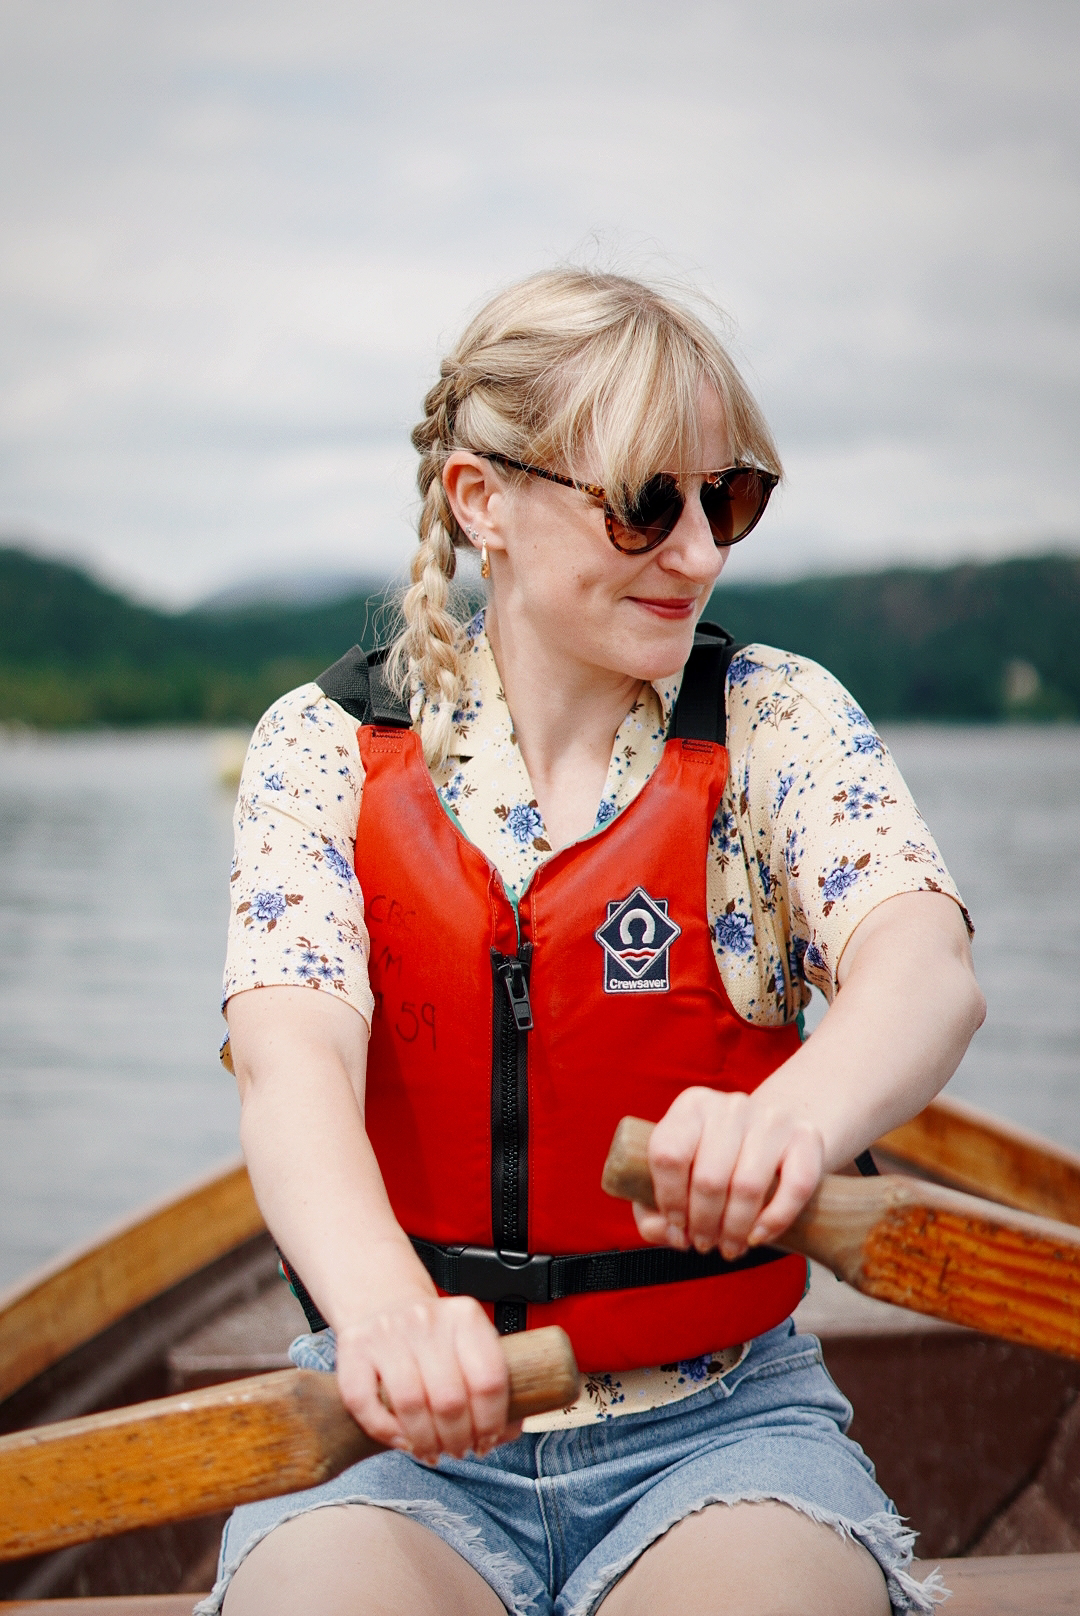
x=566, y=715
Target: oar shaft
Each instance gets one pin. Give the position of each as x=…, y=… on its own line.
x=212, y=1449
x=920, y=1246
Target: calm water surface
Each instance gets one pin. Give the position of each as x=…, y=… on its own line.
x=114, y=854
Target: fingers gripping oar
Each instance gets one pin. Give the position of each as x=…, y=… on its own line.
x=921, y=1246
x=211, y=1449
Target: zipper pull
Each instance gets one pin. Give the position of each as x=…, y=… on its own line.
x=517, y=991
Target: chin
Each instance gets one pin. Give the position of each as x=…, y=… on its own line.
x=661, y=653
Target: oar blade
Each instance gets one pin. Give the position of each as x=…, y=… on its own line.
x=169, y=1460
x=951, y=1256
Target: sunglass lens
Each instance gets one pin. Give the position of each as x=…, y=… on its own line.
x=651, y=518
x=734, y=503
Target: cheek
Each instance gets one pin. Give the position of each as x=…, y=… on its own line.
x=566, y=575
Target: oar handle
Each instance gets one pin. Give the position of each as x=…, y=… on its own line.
x=212, y=1449
x=543, y=1371
x=823, y=1231
x=920, y=1246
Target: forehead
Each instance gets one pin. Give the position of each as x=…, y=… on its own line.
x=711, y=449
x=707, y=445
x=678, y=432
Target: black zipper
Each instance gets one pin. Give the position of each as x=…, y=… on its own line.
x=511, y=1023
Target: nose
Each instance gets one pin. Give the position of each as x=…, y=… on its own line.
x=691, y=549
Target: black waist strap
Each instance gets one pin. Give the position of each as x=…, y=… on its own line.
x=493, y=1276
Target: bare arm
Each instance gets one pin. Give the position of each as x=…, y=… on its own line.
x=415, y=1371
x=733, y=1169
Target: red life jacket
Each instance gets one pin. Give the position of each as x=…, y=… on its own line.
x=491, y=1133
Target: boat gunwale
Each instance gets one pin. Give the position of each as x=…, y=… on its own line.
x=73, y=1298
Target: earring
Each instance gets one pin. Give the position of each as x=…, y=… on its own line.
x=485, y=565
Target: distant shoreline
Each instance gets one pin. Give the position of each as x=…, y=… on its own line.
x=982, y=643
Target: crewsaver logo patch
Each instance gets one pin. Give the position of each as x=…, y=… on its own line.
x=636, y=938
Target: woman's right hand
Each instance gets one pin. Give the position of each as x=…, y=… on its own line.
x=427, y=1376
x=420, y=1372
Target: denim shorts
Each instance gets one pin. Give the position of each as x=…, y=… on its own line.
x=553, y=1520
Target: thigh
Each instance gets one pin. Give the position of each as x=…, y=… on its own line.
x=357, y=1560
x=762, y=1559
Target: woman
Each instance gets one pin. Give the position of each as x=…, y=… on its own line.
x=538, y=955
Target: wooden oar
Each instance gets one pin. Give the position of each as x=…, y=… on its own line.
x=211, y=1449
x=920, y=1246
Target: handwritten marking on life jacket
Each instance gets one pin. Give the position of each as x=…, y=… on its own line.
x=382, y=910
x=385, y=960
x=411, y=1030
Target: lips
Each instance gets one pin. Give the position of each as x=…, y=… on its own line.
x=663, y=606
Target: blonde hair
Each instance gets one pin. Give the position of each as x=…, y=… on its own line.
x=567, y=364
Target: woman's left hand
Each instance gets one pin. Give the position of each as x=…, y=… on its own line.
x=729, y=1171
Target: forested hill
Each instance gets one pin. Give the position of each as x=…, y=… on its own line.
x=967, y=642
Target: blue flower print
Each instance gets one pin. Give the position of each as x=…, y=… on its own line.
x=695, y=1368
x=524, y=824
x=724, y=834
x=868, y=743
x=734, y=933
x=267, y=907
x=475, y=625
x=840, y=879
x=316, y=968
x=783, y=786
x=741, y=669
x=768, y=881
x=605, y=811
x=463, y=715
x=814, y=963
x=340, y=866
x=856, y=718
x=274, y=782
x=858, y=801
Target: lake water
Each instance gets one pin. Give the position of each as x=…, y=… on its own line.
x=114, y=853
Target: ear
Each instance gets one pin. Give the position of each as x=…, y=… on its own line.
x=476, y=494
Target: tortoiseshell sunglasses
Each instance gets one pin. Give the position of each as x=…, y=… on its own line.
x=733, y=500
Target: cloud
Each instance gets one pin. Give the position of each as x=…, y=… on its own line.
x=238, y=235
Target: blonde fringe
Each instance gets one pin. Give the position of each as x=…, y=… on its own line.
x=566, y=365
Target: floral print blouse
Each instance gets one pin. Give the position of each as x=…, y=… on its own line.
x=815, y=828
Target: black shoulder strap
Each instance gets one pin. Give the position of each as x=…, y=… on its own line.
x=358, y=683
x=701, y=712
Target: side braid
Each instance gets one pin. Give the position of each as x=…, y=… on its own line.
x=429, y=649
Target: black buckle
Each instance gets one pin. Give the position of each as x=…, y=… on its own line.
x=499, y=1276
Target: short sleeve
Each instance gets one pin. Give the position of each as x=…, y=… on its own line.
x=821, y=825
x=296, y=909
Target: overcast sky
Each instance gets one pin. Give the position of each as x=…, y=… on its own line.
x=235, y=237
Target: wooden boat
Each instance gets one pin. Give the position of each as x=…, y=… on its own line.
x=977, y=1439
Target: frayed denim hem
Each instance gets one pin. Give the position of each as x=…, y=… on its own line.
x=498, y=1569
x=885, y=1535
